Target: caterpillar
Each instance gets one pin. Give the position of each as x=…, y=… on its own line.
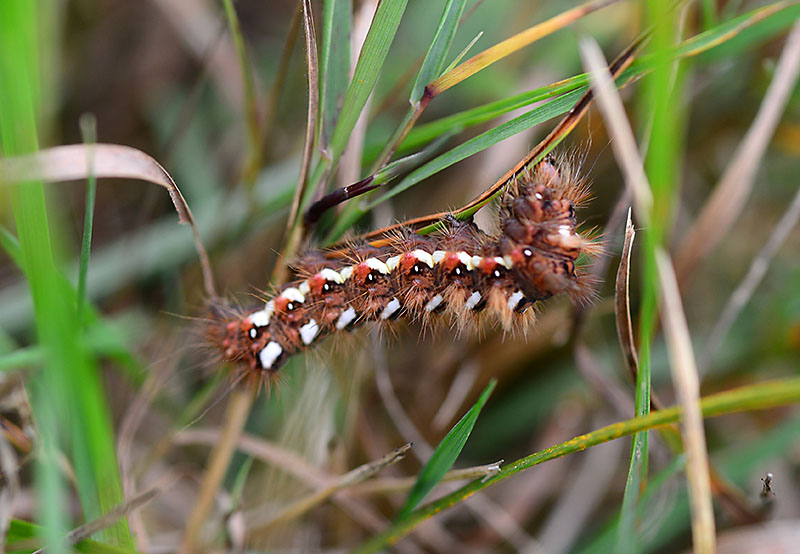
x=460, y=273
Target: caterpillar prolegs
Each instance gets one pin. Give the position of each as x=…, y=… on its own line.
x=460, y=273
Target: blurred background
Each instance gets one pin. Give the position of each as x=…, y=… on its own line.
x=163, y=76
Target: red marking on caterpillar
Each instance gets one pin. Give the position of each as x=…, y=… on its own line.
x=460, y=273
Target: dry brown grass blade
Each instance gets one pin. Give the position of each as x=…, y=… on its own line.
x=87, y=530
x=623, y=143
x=353, y=477
x=730, y=195
x=241, y=400
x=295, y=465
x=564, y=127
x=687, y=387
x=622, y=301
x=72, y=162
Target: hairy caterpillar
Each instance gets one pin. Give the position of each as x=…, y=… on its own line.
x=459, y=272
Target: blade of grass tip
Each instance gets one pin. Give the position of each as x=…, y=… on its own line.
x=463, y=53
x=445, y=454
x=294, y=224
x=730, y=194
x=241, y=400
x=251, y=106
x=622, y=301
x=687, y=386
x=353, y=477
x=761, y=396
x=431, y=69
x=511, y=45
x=89, y=131
x=69, y=163
x=334, y=64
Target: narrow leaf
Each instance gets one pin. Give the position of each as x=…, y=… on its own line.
x=511, y=45
x=445, y=454
x=334, y=63
x=370, y=61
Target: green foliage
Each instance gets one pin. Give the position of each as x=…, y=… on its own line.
x=445, y=454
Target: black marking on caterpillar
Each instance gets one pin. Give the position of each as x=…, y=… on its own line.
x=459, y=272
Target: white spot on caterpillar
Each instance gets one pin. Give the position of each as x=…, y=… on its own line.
x=476, y=261
x=346, y=318
x=508, y=262
x=330, y=275
x=515, y=299
x=260, y=318
x=393, y=262
x=269, y=354
x=564, y=231
x=505, y=262
x=304, y=288
x=473, y=300
x=253, y=333
x=346, y=273
x=294, y=295
x=424, y=257
x=538, y=196
x=434, y=303
x=390, y=308
x=377, y=265
x=308, y=332
x=465, y=259
x=438, y=256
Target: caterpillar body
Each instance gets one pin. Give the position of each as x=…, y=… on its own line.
x=460, y=273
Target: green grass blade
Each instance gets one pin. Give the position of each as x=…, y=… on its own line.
x=659, y=103
x=66, y=395
x=89, y=130
x=445, y=454
x=334, y=63
x=477, y=144
x=423, y=134
x=437, y=52
x=370, y=61
x=761, y=396
x=10, y=244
